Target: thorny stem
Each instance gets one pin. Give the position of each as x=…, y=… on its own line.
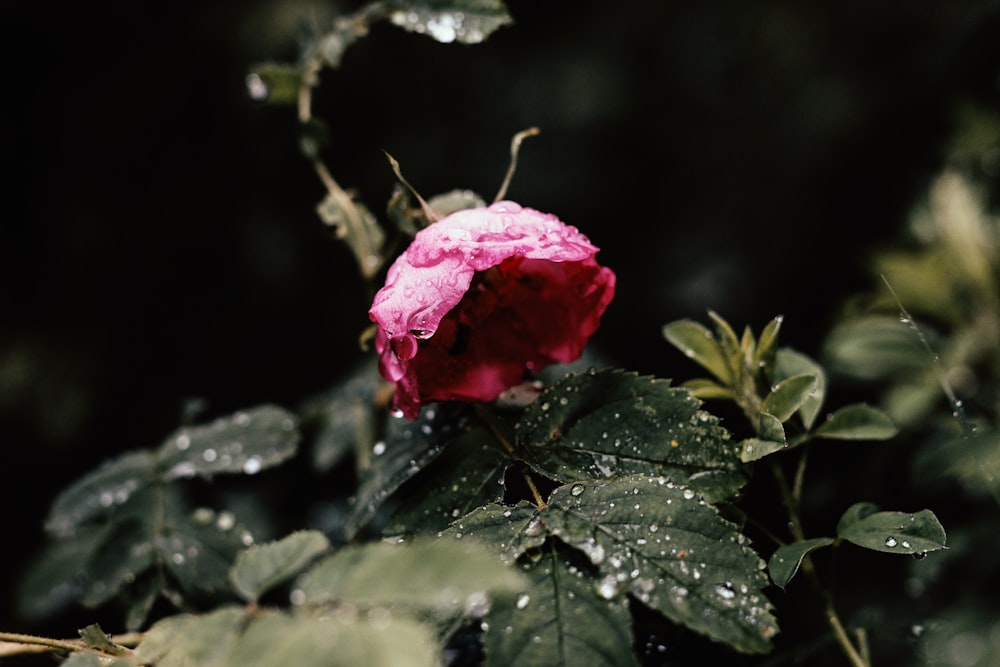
x=12, y=643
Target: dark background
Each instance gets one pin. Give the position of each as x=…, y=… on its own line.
x=158, y=242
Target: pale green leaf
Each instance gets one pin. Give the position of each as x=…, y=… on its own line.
x=698, y=343
x=788, y=396
x=767, y=344
x=789, y=363
x=188, y=639
x=754, y=449
x=260, y=568
x=705, y=389
x=857, y=422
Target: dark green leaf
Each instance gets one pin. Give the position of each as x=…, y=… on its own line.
x=893, y=532
x=854, y=514
x=788, y=396
x=789, y=363
x=785, y=561
x=770, y=428
x=245, y=442
x=433, y=575
x=511, y=531
x=663, y=545
x=609, y=423
x=698, y=343
x=857, y=422
x=126, y=553
x=464, y=21
x=260, y=568
x=559, y=619
x=409, y=447
x=343, y=420
x=100, y=492
x=469, y=474
x=55, y=578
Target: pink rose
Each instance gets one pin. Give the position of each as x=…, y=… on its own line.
x=482, y=296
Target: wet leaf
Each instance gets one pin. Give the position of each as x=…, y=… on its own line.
x=706, y=389
x=767, y=345
x=463, y=21
x=189, y=639
x=99, y=493
x=730, y=344
x=469, y=474
x=246, y=442
x=260, y=568
x=891, y=532
x=357, y=227
x=788, y=396
x=343, y=420
x=698, y=343
x=438, y=576
x=857, y=422
x=511, y=531
x=754, y=449
x=670, y=550
x=559, y=619
x=789, y=363
x=611, y=423
x=787, y=559
x=409, y=447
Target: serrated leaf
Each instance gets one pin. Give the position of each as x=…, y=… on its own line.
x=892, y=532
x=511, y=531
x=432, y=575
x=100, y=492
x=673, y=552
x=787, y=559
x=610, y=423
x=246, y=442
x=260, y=568
x=559, y=619
x=463, y=21
x=343, y=420
x=788, y=396
x=789, y=363
x=857, y=422
x=698, y=343
x=469, y=474
x=409, y=447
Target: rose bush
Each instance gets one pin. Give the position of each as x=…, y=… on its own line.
x=483, y=296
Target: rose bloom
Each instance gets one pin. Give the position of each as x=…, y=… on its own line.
x=481, y=297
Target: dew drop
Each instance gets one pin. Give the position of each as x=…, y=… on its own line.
x=209, y=455
x=890, y=541
x=608, y=587
x=182, y=442
x=523, y=600
x=379, y=448
x=905, y=544
x=252, y=466
x=576, y=490
x=688, y=494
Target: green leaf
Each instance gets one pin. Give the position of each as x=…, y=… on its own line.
x=754, y=449
x=463, y=21
x=94, y=637
x=788, y=396
x=656, y=541
x=731, y=348
x=559, y=619
x=857, y=422
x=469, y=474
x=609, y=423
x=56, y=576
x=189, y=639
x=511, y=531
x=705, y=389
x=99, y=493
x=891, y=532
x=673, y=552
x=787, y=559
x=441, y=576
x=383, y=640
x=409, y=447
x=357, y=227
x=343, y=420
x=875, y=347
x=770, y=428
x=698, y=343
x=789, y=363
x=275, y=83
x=260, y=568
x=766, y=346
x=246, y=442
